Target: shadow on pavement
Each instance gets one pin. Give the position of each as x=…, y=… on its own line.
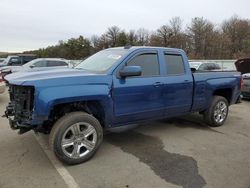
x=191, y=121
x=174, y=168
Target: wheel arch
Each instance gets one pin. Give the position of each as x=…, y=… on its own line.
x=93, y=107
x=225, y=92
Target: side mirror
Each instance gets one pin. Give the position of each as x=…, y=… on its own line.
x=193, y=70
x=130, y=71
x=32, y=66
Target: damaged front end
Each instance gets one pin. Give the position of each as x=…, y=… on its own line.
x=20, y=108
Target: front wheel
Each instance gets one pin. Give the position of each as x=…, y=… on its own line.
x=76, y=137
x=217, y=113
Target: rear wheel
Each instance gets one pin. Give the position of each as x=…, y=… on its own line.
x=217, y=113
x=76, y=137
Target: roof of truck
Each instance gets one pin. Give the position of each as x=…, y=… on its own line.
x=146, y=47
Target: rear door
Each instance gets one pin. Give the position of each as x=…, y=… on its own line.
x=178, y=85
x=139, y=97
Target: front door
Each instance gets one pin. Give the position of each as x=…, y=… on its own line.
x=139, y=97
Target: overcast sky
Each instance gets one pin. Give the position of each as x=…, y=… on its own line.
x=32, y=24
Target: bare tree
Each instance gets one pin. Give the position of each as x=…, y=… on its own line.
x=178, y=38
x=201, y=39
x=237, y=33
x=95, y=41
x=201, y=32
x=143, y=37
x=155, y=40
x=99, y=43
x=112, y=34
x=175, y=25
x=171, y=34
x=132, y=37
x=164, y=32
x=122, y=39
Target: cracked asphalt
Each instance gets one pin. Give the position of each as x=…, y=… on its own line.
x=180, y=152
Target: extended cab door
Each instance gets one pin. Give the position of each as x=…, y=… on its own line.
x=139, y=97
x=178, y=85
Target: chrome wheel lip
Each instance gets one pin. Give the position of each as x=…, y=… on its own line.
x=220, y=112
x=78, y=139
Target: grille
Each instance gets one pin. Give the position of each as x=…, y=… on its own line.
x=246, y=94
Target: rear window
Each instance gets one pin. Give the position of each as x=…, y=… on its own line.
x=217, y=66
x=174, y=64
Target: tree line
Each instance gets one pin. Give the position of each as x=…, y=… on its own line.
x=201, y=39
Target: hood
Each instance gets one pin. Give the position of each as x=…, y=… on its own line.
x=243, y=65
x=11, y=68
x=56, y=77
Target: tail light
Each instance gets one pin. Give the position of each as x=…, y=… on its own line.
x=241, y=83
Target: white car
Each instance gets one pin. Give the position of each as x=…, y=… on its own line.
x=205, y=66
x=40, y=63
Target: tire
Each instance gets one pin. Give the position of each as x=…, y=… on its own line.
x=76, y=137
x=216, y=114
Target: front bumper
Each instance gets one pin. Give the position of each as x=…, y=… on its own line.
x=246, y=94
x=14, y=123
x=20, y=108
x=246, y=88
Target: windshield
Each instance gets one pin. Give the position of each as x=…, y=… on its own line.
x=101, y=61
x=6, y=61
x=27, y=65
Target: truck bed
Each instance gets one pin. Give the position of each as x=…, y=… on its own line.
x=205, y=83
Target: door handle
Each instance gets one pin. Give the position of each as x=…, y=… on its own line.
x=158, y=84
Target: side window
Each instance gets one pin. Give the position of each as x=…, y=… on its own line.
x=15, y=61
x=174, y=64
x=148, y=62
x=211, y=66
x=208, y=66
x=56, y=63
x=40, y=64
x=27, y=59
x=202, y=67
x=217, y=66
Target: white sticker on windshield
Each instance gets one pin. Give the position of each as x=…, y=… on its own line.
x=114, y=56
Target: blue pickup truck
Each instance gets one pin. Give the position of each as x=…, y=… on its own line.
x=112, y=91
